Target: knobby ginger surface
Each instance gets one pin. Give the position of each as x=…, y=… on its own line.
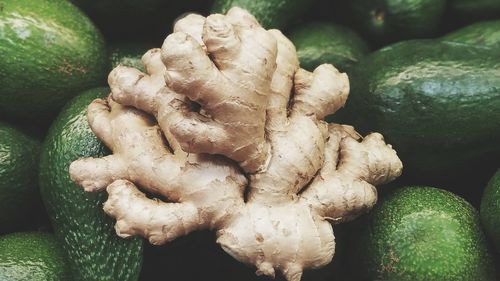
x=228, y=127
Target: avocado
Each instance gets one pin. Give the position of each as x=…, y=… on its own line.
x=490, y=210
x=485, y=34
x=322, y=42
x=87, y=234
x=34, y=256
x=419, y=233
x=437, y=103
x=128, y=54
x=270, y=13
x=49, y=51
x=386, y=21
x=19, y=194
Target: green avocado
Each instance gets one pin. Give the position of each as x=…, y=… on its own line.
x=270, y=13
x=49, y=51
x=319, y=43
x=128, y=54
x=490, y=210
x=87, y=234
x=437, y=103
x=485, y=34
x=385, y=21
x=33, y=256
x=421, y=233
x=19, y=195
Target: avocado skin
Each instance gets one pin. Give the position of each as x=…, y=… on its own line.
x=19, y=195
x=418, y=233
x=49, y=52
x=321, y=42
x=386, y=21
x=482, y=34
x=129, y=54
x=437, y=103
x=270, y=13
x=87, y=234
x=490, y=210
x=34, y=256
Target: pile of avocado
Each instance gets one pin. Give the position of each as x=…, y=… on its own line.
x=424, y=73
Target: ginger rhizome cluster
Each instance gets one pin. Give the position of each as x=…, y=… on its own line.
x=229, y=129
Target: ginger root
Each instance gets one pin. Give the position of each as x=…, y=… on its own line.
x=228, y=128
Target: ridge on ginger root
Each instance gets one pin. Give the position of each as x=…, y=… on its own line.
x=213, y=127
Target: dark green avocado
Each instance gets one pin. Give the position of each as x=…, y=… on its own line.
x=19, y=195
x=322, y=42
x=421, y=233
x=270, y=13
x=128, y=54
x=87, y=234
x=49, y=51
x=437, y=103
x=482, y=34
x=33, y=256
x=384, y=21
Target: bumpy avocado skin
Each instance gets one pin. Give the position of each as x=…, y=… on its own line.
x=270, y=13
x=87, y=234
x=321, y=42
x=49, y=52
x=482, y=34
x=422, y=233
x=437, y=103
x=33, y=256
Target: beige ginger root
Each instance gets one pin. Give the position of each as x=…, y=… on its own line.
x=228, y=128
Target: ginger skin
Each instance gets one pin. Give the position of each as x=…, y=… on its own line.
x=214, y=121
